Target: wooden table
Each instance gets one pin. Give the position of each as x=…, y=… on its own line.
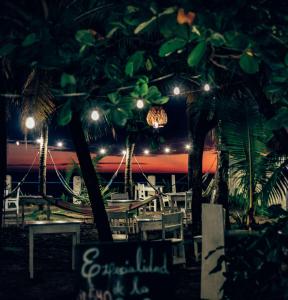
x=147, y=223
x=43, y=227
x=36, y=200
x=120, y=202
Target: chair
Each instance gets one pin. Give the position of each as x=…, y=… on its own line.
x=172, y=230
x=178, y=200
x=11, y=204
x=188, y=208
x=143, y=192
x=118, y=199
x=120, y=224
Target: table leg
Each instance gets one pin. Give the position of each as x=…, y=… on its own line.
x=23, y=215
x=144, y=235
x=31, y=252
x=75, y=241
x=48, y=210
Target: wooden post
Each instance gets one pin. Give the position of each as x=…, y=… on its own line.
x=152, y=179
x=8, y=184
x=212, y=239
x=173, y=183
x=77, y=188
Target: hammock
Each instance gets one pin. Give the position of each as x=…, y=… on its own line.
x=88, y=211
x=68, y=188
x=23, y=179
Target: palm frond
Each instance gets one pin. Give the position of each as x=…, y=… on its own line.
x=37, y=97
x=251, y=162
x=275, y=180
x=244, y=137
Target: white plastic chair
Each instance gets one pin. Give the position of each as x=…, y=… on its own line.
x=11, y=204
x=142, y=192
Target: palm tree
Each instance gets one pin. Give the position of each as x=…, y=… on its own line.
x=258, y=173
x=38, y=101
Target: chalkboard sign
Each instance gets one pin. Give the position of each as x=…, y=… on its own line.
x=124, y=271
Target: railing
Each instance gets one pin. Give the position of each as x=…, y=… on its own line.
x=56, y=189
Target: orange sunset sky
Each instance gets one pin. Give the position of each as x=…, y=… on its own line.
x=22, y=157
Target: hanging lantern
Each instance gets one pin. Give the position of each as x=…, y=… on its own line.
x=156, y=117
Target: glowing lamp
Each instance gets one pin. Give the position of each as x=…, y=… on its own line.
x=167, y=150
x=60, y=144
x=156, y=117
x=206, y=87
x=102, y=151
x=176, y=91
x=30, y=123
x=95, y=115
x=140, y=103
x=146, y=151
x=17, y=143
x=188, y=146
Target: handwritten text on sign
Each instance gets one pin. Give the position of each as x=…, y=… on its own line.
x=129, y=273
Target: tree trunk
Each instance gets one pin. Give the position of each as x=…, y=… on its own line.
x=199, y=124
x=90, y=178
x=43, y=160
x=130, y=146
x=195, y=178
x=221, y=178
x=3, y=158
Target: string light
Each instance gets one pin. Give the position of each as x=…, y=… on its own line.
x=102, y=151
x=123, y=152
x=140, y=103
x=60, y=144
x=167, y=150
x=146, y=151
x=187, y=146
x=206, y=87
x=176, y=91
x=17, y=143
x=30, y=123
x=95, y=115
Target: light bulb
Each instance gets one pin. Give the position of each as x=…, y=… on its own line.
x=176, y=90
x=102, y=151
x=146, y=151
x=30, y=123
x=39, y=141
x=188, y=146
x=95, y=115
x=140, y=103
x=206, y=87
x=123, y=152
x=60, y=144
x=17, y=143
x=167, y=150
